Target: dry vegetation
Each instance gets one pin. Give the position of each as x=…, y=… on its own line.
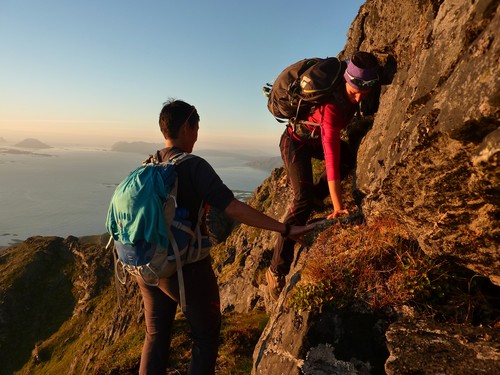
x=378, y=267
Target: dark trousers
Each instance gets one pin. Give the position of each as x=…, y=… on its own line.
x=203, y=315
x=297, y=157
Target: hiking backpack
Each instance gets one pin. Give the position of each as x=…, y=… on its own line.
x=301, y=86
x=152, y=235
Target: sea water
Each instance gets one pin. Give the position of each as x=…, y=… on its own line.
x=66, y=191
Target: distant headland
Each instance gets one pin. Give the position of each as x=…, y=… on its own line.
x=28, y=143
x=32, y=143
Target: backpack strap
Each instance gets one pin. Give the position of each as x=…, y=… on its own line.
x=294, y=122
x=176, y=160
x=195, y=254
x=179, y=158
x=180, y=276
x=116, y=263
x=152, y=159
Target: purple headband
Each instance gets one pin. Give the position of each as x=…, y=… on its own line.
x=357, y=76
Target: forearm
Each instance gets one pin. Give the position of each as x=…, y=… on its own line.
x=336, y=194
x=245, y=214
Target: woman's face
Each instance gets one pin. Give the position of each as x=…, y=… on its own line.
x=355, y=95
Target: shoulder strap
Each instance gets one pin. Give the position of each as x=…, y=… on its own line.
x=175, y=159
x=179, y=158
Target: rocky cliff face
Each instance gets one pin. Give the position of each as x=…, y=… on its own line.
x=431, y=157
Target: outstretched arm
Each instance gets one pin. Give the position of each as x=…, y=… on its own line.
x=245, y=214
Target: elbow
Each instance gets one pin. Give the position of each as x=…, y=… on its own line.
x=232, y=209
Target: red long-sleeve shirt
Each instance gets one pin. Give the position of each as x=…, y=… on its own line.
x=334, y=118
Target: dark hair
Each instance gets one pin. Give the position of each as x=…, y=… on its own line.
x=174, y=114
x=364, y=60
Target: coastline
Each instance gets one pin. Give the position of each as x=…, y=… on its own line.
x=74, y=186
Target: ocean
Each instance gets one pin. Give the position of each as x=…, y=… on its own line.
x=66, y=191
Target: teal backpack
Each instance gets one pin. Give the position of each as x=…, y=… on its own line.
x=152, y=236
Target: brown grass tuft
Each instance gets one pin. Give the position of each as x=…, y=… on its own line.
x=373, y=264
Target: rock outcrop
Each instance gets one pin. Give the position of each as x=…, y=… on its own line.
x=431, y=157
x=474, y=349
x=59, y=309
x=247, y=252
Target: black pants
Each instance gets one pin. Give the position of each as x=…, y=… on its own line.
x=203, y=315
x=297, y=157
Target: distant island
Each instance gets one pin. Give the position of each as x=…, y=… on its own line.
x=32, y=143
x=15, y=151
x=266, y=164
x=2, y=140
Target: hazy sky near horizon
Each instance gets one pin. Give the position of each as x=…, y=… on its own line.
x=99, y=71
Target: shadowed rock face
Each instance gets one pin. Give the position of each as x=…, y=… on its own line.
x=431, y=156
x=476, y=348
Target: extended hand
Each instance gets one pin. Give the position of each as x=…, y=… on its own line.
x=338, y=213
x=297, y=232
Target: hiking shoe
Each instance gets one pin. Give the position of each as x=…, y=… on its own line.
x=275, y=283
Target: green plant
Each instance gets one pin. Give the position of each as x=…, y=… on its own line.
x=312, y=296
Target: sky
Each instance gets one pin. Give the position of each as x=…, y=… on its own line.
x=98, y=71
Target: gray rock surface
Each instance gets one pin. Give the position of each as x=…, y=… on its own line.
x=426, y=347
x=431, y=157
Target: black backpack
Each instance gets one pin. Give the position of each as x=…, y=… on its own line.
x=301, y=86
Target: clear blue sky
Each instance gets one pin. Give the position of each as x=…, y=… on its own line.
x=99, y=70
